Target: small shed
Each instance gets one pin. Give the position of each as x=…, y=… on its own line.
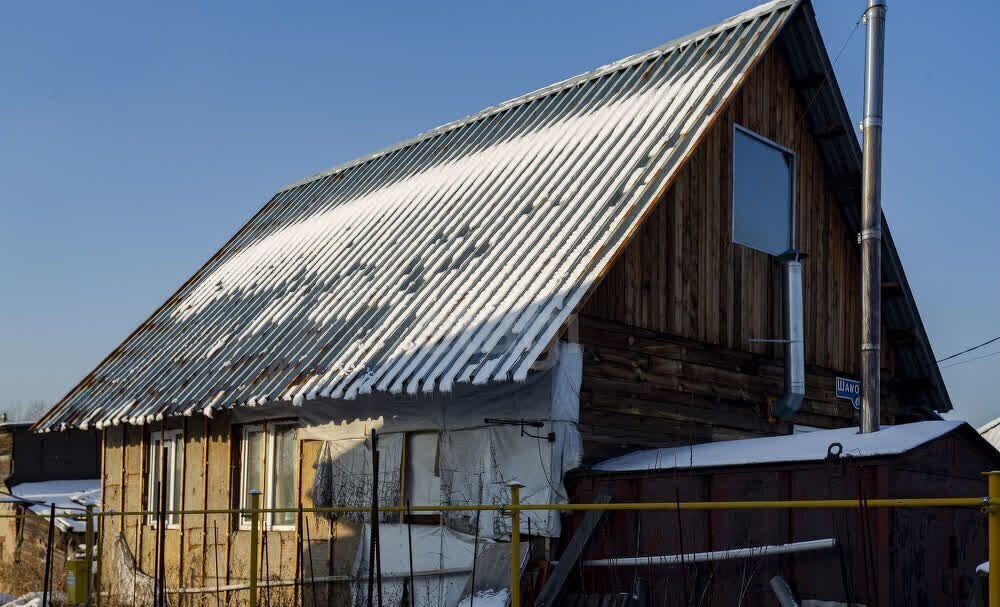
x=37, y=470
x=878, y=556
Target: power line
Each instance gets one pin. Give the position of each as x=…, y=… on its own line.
x=826, y=77
x=962, y=362
x=985, y=343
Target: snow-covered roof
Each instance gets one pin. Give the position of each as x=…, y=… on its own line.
x=70, y=497
x=991, y=432
x=453, y=257
x=808, y=446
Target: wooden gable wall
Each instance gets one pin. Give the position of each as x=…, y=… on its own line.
x=666, y=334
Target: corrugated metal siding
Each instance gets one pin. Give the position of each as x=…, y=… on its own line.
x=454, y=257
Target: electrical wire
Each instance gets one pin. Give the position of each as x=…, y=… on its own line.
x=969, y=360
x=966, y=351
x=833, y=64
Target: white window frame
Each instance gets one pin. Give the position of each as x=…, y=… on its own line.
x=794, y=185
x=269, y=430
x=165, y=437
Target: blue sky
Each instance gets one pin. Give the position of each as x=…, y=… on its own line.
x=136, y=137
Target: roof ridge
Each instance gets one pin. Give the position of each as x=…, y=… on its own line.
x=555, y=87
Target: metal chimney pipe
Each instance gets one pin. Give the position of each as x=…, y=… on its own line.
x=795, y=348
x=871, y=218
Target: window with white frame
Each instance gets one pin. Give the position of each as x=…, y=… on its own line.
x=267, y=463
x=166, y=469
x=763, y=193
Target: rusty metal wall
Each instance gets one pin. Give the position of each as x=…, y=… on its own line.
x=913, y=557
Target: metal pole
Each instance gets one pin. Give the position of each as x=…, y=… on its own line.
x=373, y=528
x=254, y=537
x=515, y=544
x=99, y=557
x=312, y=569
x=475, y=557
x=993, y=519
x=871, y=219
x=88, y=557
x=215, y=551
x=47, y=578
x=409, y=546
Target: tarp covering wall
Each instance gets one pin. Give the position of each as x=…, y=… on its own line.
x=442, y=560
x=449, y=448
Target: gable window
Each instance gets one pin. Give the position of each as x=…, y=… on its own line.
x=267, y=464
x=763, y=193
x=166, y=469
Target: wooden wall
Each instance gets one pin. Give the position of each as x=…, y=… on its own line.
x=209, y=549
x=666, y=334
x=918, y=556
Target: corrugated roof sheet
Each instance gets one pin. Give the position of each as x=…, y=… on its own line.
x=991, y=432
x=453, y=257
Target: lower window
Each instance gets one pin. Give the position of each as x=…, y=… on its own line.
x=267, y=464
x=165, y=467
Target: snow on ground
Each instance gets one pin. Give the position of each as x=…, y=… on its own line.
x=486, y=598
x=808, y=446
x=69, y=496
x=34, y=599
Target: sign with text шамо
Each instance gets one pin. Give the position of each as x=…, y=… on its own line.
x=849, y=389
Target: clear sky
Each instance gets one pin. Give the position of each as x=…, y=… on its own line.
x=136, y=137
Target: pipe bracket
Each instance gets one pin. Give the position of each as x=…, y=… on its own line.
x=871, y=233
x=870, y=347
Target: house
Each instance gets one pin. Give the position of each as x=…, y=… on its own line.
x=38, y=470
x=601, y=265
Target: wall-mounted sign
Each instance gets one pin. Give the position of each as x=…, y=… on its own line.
x=849, y=389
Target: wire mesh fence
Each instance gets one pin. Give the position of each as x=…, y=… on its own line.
x=248, y=556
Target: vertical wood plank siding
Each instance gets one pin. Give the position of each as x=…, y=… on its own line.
x=211, y=477
x=666, y=333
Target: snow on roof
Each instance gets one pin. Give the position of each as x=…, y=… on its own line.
x=809, y=446
x=69, y=496
x=991, y=432
x=451, y=258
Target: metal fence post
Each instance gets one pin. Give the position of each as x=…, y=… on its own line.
x=254, y=537
x=89, y=552
x=993, y=520
x=515, y=544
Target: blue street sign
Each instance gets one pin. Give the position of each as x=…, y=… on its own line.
x=849, y=389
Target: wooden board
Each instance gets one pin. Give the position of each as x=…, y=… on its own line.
x=667, y=332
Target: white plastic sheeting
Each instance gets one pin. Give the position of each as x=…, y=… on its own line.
x=129, y=582
x=434, y=548
x=473, y=462
x=344, y=473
